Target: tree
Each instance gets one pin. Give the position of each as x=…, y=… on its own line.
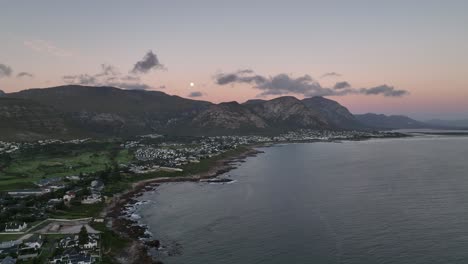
x=83, y=236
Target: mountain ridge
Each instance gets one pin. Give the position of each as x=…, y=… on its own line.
x=110, y=111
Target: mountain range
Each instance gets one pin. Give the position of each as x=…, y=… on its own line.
x=459, y=123
x=76, y=111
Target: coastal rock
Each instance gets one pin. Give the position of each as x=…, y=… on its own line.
x=153, y=243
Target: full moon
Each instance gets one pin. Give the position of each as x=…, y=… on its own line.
x=192, y=84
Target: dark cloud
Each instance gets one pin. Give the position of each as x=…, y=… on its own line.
x=149, y=61
x=24, y=74
x=108, y=76
x=341, y=85
x=5, y=71
x=195, y=94
x=385, y=90
x=330, y=74
x=282, y=84
x=245, y=76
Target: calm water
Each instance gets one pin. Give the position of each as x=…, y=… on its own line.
x=378, y=201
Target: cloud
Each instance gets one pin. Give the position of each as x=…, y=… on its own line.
x=385, y=90
x=341, y=85
x=195, y=94
x=108, y=70
x=5, y=71
x=108, y=76
x=331, y=74
x=149, y=61
x=46, y=47
x=305, y=85
x=24, y=74
x=245, y=76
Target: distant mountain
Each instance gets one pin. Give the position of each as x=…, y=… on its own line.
x=2, y=93
x=74, y=110
x=461, y=123
x=226, y=118
x=288, y=112
x=335, y=114
x=261, y=116
x=380, y=121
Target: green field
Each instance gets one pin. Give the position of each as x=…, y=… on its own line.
x=27, y=167
x=80, y=211
x=9, y=237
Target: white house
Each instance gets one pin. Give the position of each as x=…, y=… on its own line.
x=92, y=243
x=92, y=199
x=34, y=241
x=69, y=196
x=15, y=227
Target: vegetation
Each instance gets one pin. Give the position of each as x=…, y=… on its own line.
x=83, y=236
x=23, y=168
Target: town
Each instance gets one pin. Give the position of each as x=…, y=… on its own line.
x=58, y=217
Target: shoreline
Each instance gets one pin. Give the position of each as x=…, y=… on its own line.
x=141, y=242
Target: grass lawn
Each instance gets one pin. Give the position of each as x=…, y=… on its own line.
x=27, y=168
x=80, y=211
x=9, y=237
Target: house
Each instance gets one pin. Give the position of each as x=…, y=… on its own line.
x=8, y=260
x=25, y=193
x=69, y=196
x=68, y=242
x=15, y=227
x=72, y=242
x=92, y=242
x=97, y=186
x=91, y=199
x=72, y=256
x=35, y=241
x=12, y=248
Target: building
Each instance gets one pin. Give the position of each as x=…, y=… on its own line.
x=8, y=260
x=72, y=256
x=92, y=199
x=69, y=196
x=15, y=227
x=35, y=242
x=25, y=193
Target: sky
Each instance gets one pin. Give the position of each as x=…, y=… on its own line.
x=391, y=57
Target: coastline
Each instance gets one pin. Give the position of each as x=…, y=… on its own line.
x=141, y=242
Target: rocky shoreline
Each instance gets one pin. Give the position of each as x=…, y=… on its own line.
x=120, y=213
x=123, y=220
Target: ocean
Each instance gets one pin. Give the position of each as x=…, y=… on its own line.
x=355, y=202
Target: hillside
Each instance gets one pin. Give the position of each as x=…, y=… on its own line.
x=23, y=119
x=113, y=111
x=335, y=114
x=75, y=110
